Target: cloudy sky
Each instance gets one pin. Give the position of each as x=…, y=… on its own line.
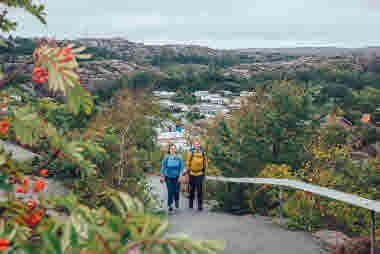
x=214, y=23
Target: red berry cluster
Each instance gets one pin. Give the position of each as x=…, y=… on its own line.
x=40, y=75
x=34, y=216
x=3, y=127
x=4, y=124
x=4, y=243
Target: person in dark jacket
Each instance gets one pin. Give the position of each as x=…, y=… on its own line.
x=171, y=170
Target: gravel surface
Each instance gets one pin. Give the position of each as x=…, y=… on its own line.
x=242, y=234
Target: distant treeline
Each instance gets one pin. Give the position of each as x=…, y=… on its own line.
x=166, y=58
x=190, y=80
x=221, y=62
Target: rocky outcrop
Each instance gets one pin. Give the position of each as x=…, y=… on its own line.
x=110, y=70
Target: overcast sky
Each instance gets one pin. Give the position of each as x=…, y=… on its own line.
x=213, y=23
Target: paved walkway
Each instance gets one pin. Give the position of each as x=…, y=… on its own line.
x=242, y=234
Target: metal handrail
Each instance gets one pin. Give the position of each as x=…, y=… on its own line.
x=372, y=205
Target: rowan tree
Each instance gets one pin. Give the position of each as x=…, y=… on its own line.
x=7, y=25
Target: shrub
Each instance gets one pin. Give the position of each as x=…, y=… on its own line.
x=211, y=186
x=335, y=134
x=232, y=198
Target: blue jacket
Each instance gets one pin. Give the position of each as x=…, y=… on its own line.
x=175, y=166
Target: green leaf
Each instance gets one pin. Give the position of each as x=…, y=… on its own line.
x=180, y=236
x=84, y=56
x=161, y=230
x=65, y=241
x=215, y=245
x=55, y=80
x=77, y=96
x=25, y=246
x=128, y=201
x=178, y=250
x=3, y=43
x=72, y=76
x=6, y=187
x=165, y=248
x=78, y=50
x=119, y=206
x=200, y=249
x=147, y=223
x=51, y=242
x=3, y=158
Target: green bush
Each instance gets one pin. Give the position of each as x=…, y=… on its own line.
x=232, y=198
x=336, y=134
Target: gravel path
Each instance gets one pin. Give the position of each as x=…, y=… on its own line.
x=242, y=234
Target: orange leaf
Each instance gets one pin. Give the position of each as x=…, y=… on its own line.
x=366, y=118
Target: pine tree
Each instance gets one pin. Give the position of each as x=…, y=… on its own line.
x=290, y=120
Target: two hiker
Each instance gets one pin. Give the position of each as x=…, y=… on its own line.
x=173, y=174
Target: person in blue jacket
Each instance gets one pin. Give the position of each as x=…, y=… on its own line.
x=171, y=170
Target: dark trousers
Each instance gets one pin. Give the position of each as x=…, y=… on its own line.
x=196, y=184
x=173, y=189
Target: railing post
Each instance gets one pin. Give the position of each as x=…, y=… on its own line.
x=281, y=219
x=372, y=232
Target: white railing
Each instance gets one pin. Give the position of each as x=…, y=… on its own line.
x=372, y=205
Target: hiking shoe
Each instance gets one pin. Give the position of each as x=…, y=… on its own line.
x=170, y=209
x=177, y=204
x=200, y=205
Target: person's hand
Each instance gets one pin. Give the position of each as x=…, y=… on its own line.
x=162, y=179
x=180, y=179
